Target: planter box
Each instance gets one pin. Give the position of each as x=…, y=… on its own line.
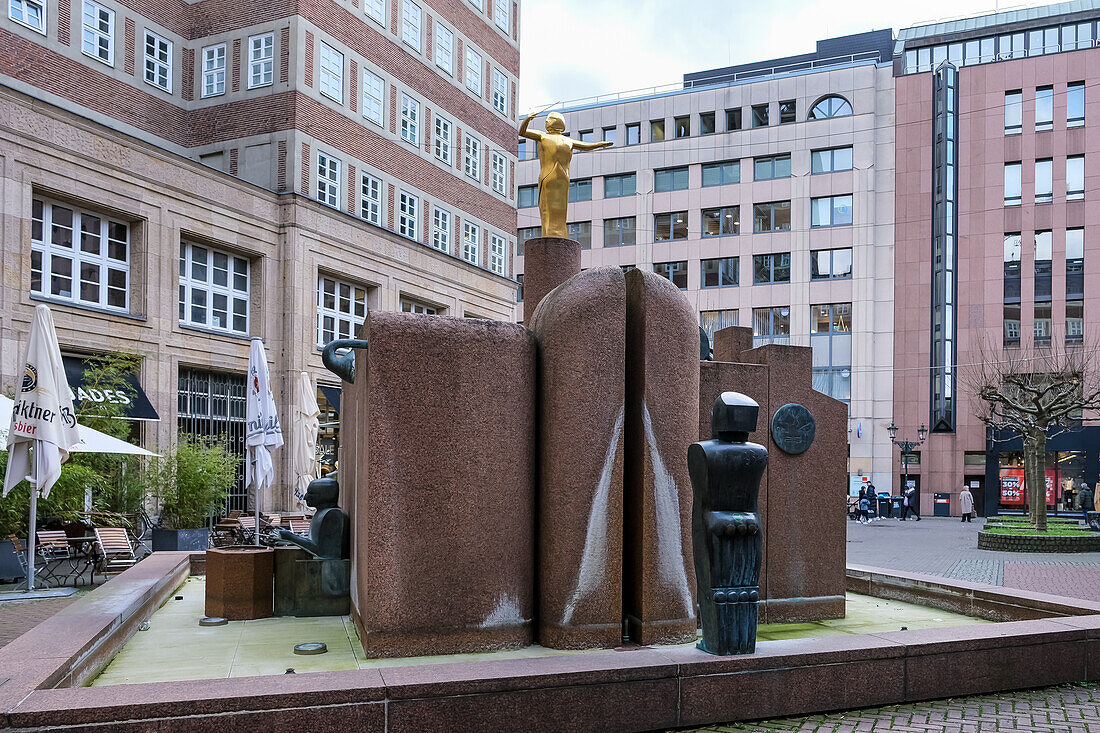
x=239, y=582
x=10, y=567
x=1036, y=543
x=180, y=540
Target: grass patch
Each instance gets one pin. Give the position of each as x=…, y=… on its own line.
x=1029, y=531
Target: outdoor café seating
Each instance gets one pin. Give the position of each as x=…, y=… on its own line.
x=114, y=551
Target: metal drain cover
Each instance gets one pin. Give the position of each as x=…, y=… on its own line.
x=213, y=621
x=311, y=647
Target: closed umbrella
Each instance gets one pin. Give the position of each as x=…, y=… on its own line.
x=306, y=427
x=264, y=434
x=43, y=423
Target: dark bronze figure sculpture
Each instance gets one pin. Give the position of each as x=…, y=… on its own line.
x=725, y=525
x=328, y=532
x=317, y=583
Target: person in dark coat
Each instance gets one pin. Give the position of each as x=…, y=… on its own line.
x=908, y=504
x=1085, y=501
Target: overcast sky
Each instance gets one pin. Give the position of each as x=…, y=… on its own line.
x=579, y=48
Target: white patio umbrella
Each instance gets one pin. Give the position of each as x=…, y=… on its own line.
x=264, y=434
x=91, y=441
x=42, y=427
x=306, y=427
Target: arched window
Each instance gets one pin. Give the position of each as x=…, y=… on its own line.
x=831, y=106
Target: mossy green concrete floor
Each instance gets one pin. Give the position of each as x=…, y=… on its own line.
x=175, y=647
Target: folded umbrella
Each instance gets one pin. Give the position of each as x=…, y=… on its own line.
x=264, y=433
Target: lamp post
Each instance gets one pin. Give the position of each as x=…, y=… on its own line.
x=906, y=447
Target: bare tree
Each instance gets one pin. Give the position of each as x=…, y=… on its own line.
x=1036, y=391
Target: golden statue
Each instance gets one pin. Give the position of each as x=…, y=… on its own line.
x=555, y=152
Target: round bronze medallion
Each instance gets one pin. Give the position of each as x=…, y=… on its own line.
x=793, y=428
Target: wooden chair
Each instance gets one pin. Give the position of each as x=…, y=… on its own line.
x=115, y=554
x=235, y=514
x=58, y=559
x=300, y=526
x=20, y=550
x=246, y=532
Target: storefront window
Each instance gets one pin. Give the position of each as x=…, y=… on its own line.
x=1065, y=470
x=328, y=436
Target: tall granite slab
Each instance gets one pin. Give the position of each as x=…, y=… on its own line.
x=801, y=505
x=662, y=395
x=580, y=328
x=443, y=482
x=547, y=263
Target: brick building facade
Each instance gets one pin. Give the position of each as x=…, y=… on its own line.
x=284, y=166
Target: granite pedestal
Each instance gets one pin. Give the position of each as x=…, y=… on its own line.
x=310, y=586
x=239, y=582
x=548, y=262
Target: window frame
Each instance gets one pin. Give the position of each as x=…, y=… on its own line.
x=471, y=242
x=832, y=112
x=761, y=115
x=212, y=72
x=500, y=92
x=498, y=172
x=1014, y=112
x=98, y=35
x=410, y=123
x=772, y=268
x=1045, y=124
x=721, y=166
x=1044, y=182
x=441, y=229
x=408, y=224
x=472, y=70
x=1075, y=194
x=376, y=11
x=370, y=207
x=371, y=103
x=525, y=193
x=330, y=74
x=673, y=175
x=832, y=210
x=446, y=50
x=773, y=163
x=498, y=246
x=819, y=155
x=773, y=207
x=1075, y=121
x=471, y=157
x=1016, y=200
x=188, y=284
x=351, y=317
x=724, y=213
x=616, y=224
x=154, y=63
x=502, y=21
x=620, y=179
x=412, y=30
x=718, y=273
x=328, y=182
x=681, y=267
x=442, y=140
x=261, y=60
x=832, y=251
x=657, y=234
x=43, y=14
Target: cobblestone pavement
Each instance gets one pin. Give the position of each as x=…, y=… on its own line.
x=18, y=617
x=1062, y=709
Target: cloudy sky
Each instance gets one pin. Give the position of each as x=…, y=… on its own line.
x=579, y=48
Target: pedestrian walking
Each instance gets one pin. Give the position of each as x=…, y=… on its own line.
x=908, y=504
x=872, y=497
x=1085, y=501
x=864, y=508
x=966, y=503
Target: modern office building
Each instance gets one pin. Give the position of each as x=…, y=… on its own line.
x=996, y=234
x=766, y=192
x=180, y=176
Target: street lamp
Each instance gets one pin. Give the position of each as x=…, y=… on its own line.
x=906, y=447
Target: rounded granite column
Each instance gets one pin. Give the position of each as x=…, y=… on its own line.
x=547, y=263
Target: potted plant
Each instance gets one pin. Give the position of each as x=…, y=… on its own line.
x=190, y=482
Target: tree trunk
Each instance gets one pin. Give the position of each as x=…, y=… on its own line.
x=1035, y=477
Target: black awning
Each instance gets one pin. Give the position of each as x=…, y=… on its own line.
x=137, y=407
x=332, y=394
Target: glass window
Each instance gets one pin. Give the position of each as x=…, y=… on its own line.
x=656, y=130
x=1012, y=250
x=441, y=229
x=706, y=123
x=719, y=273
x=619, y=232
x=332, y=73
x=624, y=184
x=527, y=196
x=771, y=268
x=774, y=216
x=1075, y=263
x=410, y=120
x=371, y=199
x=411, y=306
x=721, y=174
x=1044, y=181
x=831, y=264
x=670, y=226
x=988, y=51
x=772, y=166
x=1075, y=177
x=471, y=159
x=771, y=325
x=674, y=271
x=500, y=14
x=376, y=11
x=1044, y=109
x=1014, y=112
x=522, y=152
x=830, y=161
x=525, y=234
x=1075, y=104
x=408, y=215
x=1013, y=184
x=670, y=179
x=328, y=180
x=98, y=32
x=441, y=143
x=971, y=53
x=1044, y=242
x=610, y=135
x=473, y=70
x=712, y=321
x=682, y=126
x=587, y=136
x=374, y=91
x=580, y=231
x=1075, y=321
x=79, y=256
x=499, y=173
x=787, y=111
x=733, y=119
x=31, y=13
x=633, y=133
x=444, y=48
x=213, y=289
x=213, y=70
x=471, y=242
x=500, y=91
x=341, y=309
x=721, y=221
x=580, y=189
x=410, y=24
x=261, y=60
x=831, y=106
x=497, y=247
x=760, y=115
x=831, y=211
x=831, y=341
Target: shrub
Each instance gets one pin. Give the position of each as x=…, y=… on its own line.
x=190, y=481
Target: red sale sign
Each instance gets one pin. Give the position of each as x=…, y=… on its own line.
x=1013, y=488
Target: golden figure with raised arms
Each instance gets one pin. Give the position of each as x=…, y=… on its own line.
x=555, y=152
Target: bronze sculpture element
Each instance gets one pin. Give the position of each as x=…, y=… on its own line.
x=555, y=153
x=725, y=525
x=328, y=531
